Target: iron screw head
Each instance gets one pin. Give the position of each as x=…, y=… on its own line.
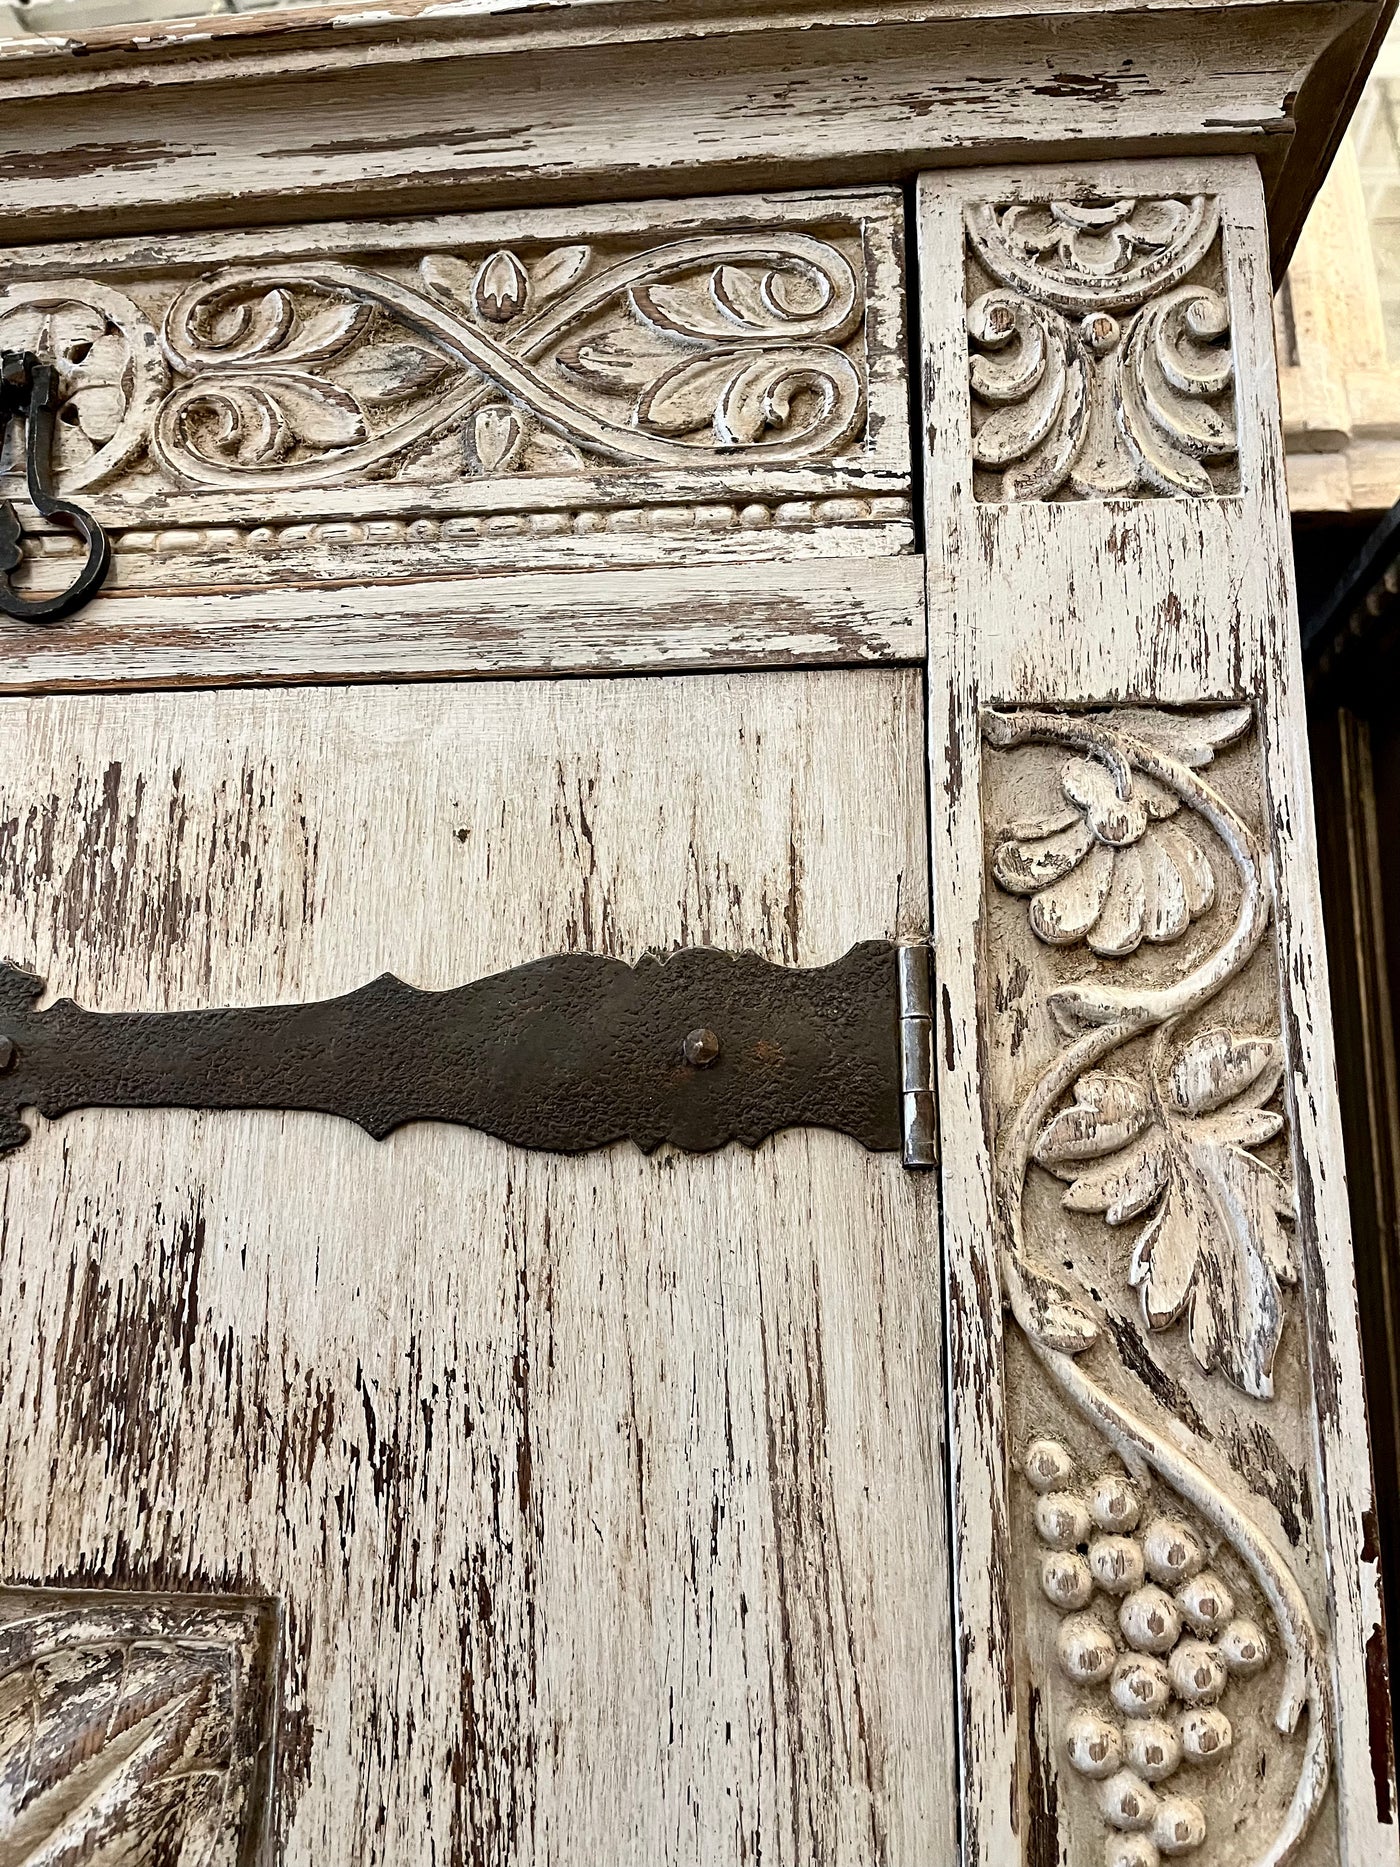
x=701, y=1048
x=8, y=1053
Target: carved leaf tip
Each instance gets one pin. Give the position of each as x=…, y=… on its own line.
x=1215, y=1246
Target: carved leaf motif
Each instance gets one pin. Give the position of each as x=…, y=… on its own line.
x=558, y=270
x=1107, y=1112
x=261, y=418
x=618, y=360
x=686, y=397
x=317, y=412
x=497, y=438
x=108, y=1748
x=1170, y=365
x=501, y=288
x=1217, y=1241
x=387, y=372
x=1191, y=738
x=448, y=276
x=1037, y=393
x=324, y=333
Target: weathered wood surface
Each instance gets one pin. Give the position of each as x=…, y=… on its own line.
x=721, y=615
x=136, y=1722
x=682, y=382
x=1236, y=1412
x=403, y=108
x=604, y=1496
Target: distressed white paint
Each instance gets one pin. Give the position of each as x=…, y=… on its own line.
x=696, y=616
x=1062, y=605
x=604, y=1495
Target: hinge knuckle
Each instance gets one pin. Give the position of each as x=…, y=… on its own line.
x=920, y=1109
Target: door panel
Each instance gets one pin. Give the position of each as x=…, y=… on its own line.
x=603, y=1497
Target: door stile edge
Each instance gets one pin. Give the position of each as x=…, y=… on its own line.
x=1049, y=599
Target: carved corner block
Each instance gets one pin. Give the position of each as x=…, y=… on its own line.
x=1168, y=1586
x=544, y=388
x=1100, y=354
x=134, y=1728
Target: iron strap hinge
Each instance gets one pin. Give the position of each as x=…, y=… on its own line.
x=695, y=1049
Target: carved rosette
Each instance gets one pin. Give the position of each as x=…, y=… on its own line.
x=111, y=375
x=134, y=1729
x=1136, y=1064
x=1100, y=353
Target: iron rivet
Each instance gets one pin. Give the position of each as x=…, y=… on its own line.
x=8, y=1053
x=701, y=1048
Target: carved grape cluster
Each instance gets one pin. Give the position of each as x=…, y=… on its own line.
x=1147, y=1621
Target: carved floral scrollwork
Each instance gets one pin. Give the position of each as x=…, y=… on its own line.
x=111, y=373
x=719, y=349
x=1160, y=1135
x=1098, y=367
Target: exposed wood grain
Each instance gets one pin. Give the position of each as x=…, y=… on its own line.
x=604, y=1495
x=1063, y=605
x=793, y=615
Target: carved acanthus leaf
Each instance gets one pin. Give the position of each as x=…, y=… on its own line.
x=1215, y=1242
x=1067, y=398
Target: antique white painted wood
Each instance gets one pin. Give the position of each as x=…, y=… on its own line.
x=602, y=1497
x=1166, y=1573
x=605, y=1499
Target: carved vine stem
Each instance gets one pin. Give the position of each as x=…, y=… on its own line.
x=1056, y=1329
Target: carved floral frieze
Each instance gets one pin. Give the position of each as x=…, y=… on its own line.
x=134, y=1729
x=1147, y=1106
x=1100, y=361
x=343, y=382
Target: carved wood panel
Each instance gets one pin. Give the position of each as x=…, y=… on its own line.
x=603, y=385
x=134, y=1729
x=1168, y=1563
x=1100, y=339
x=1169, y=1621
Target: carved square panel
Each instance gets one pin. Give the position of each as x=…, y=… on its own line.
x=549, y=388
x=1101, y=359
x=134, y=1728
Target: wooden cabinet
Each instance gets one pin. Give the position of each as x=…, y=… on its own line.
x=579, y=539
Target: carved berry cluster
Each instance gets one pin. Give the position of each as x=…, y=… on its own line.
x=1146, y=1622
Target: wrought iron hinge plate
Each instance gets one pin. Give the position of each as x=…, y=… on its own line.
x=564, y=1054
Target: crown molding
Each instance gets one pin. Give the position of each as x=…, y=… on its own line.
x=412, y=107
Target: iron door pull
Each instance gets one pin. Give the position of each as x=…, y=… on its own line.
x=29, y=393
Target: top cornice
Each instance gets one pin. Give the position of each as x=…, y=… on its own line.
x=417, y=104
